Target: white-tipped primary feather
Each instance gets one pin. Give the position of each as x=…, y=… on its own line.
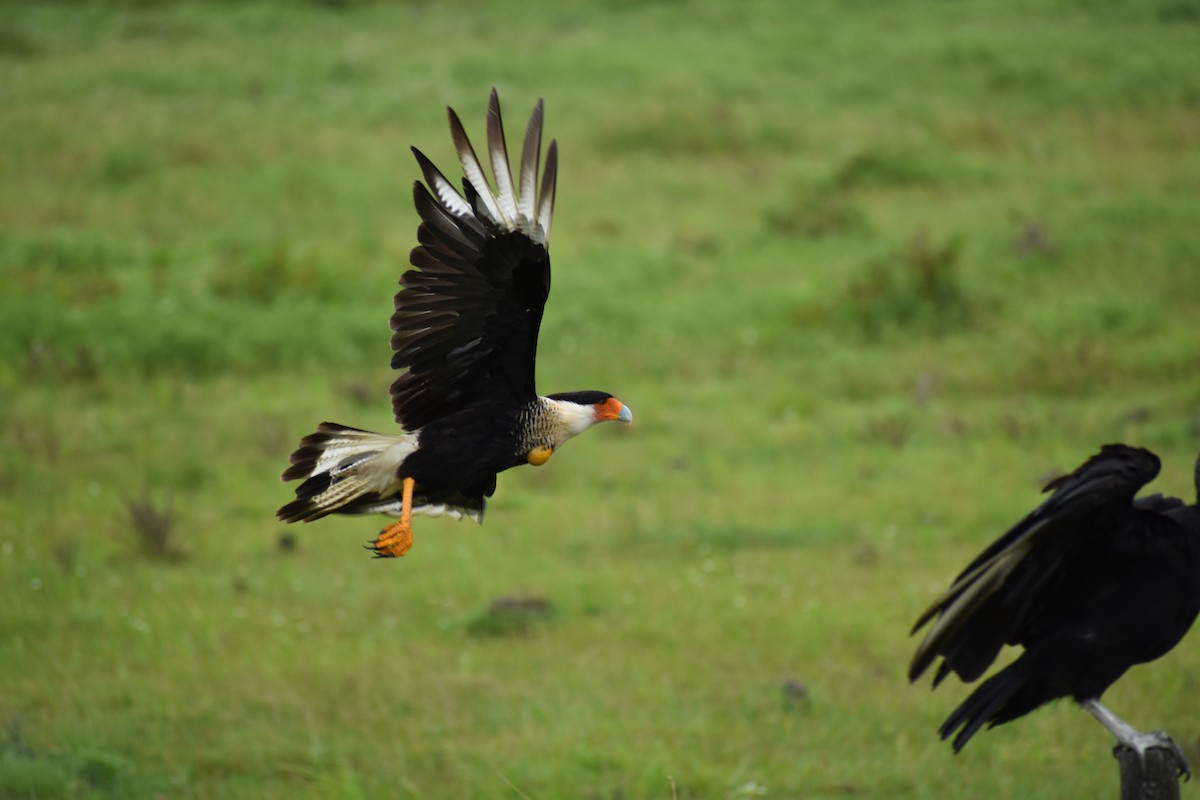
x=546, y=196
x=449, y=197
x=523, y=207
x=530, y=154
x=473, y=171
x=498, y=152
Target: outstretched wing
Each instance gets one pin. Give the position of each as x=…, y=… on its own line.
x=992, y=598
x=466, y=321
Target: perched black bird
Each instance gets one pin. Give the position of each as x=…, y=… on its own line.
x=1089, y=584
x=465, y=329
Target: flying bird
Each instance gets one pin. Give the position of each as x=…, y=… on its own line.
x=1089, y=584
x=465, y=332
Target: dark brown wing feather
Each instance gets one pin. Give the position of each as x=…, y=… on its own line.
x=466, y=321
x=992, y=600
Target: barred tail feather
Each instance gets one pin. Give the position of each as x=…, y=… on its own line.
x=345, y=470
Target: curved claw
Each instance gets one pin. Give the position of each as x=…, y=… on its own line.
x=396, y=539
x=1130, y=738
x=1159, y=740
x=393, y=541
x=1182, y=768
x=375, y=551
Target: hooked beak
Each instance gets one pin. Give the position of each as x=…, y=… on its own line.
x=613, y=409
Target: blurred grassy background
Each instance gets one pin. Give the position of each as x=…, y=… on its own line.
x=867, y=273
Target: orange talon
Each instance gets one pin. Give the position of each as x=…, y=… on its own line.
x=394, y=541
x=397, y=539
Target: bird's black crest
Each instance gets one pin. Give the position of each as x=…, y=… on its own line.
x=586, y=398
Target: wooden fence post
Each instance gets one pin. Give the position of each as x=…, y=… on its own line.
x=1156, y=779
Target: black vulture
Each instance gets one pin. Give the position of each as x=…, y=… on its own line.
x=465, y=330
x=1089, y=584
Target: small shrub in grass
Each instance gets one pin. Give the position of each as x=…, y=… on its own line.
x=65, y=552
x=893, y=430
x=33, y=777
x=794, y=694
x=1033, y=241
x=23, y=773
x=125, y=165
x=260, y=276
x=275, y=437
x=27, y=774
x=707, y=129
x=886, y=168
x=364, y=392
x=14, y=742
x=815, y=213
x=917, y=287
x=80, y=363
x=152, y=524
x=100, y=770
x=1176, y=11
x=511, y=616
x=15, y=43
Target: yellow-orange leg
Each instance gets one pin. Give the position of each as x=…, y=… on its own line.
x=396, y=539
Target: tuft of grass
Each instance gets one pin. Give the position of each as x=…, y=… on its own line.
x=16, y=43
x=917, y=287
x=816, y=213
x=264, y=275
x=34, y=778
x=885, y=168
x=672, y=129
x=100, y=771
x=513, y=615
x=1034, y=241
x=26, y=772
x=125, y=164
x=894, y=430
x=153, y=523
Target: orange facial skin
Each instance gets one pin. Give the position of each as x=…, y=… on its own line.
x=610, y=409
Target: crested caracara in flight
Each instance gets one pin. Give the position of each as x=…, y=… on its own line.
x=465, y=331
x=1089, y=584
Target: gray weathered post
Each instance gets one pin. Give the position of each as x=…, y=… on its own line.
x=1156, y=779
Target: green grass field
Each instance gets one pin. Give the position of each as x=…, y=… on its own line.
x=867, y=274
